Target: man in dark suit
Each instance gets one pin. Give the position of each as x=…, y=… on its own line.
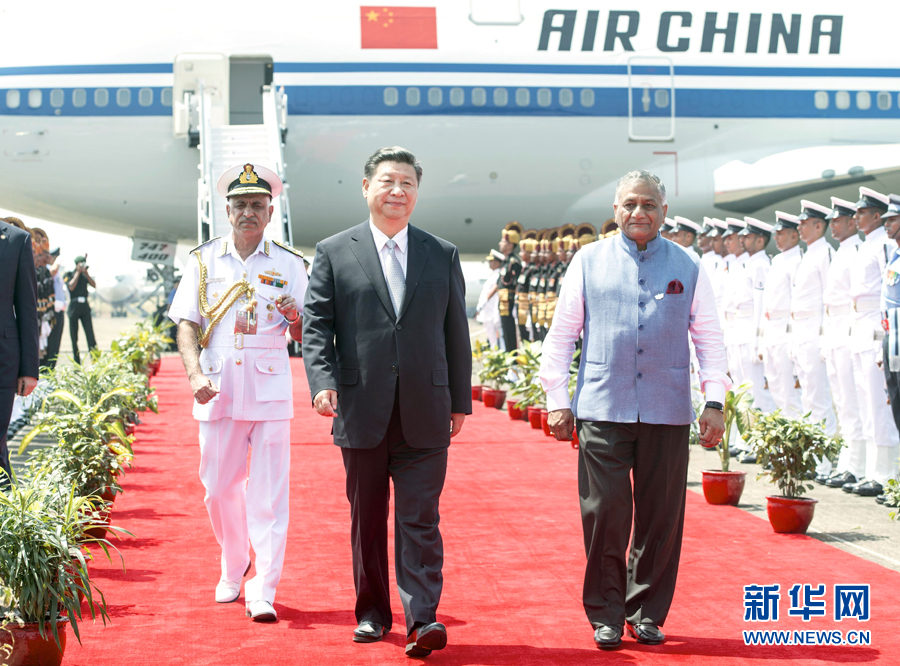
x=387, y=354
x=18, y=328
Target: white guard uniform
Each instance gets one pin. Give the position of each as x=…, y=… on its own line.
x=866, y=336
x=734, y=274
x=776, y=338
x=835, y=345
x=747, y=313
x=488, y=310
x=252, y=409
x=807, y=312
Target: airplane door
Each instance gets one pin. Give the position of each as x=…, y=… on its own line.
x=651, y=99
x=248, y=74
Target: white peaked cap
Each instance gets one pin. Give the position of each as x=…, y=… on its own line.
x=690, y=224
x=755, y=226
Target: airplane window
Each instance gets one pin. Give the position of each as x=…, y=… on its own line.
x=661, y=98
x=35, y=98
x=166, y=97
x=13, y=99
x=457, y=96
x=435, y=96
x=413, y=97
x=523, y=96
x=842, y=99
x=391, y=97
x=57, y=97
x=566, y=97
x=544, y=97
x=501, y=97
x=101, y=97
x=145, y=96
x=863, y=100
x=587, y=97
x=884, y=100
x=123, y=96
x=479, y=97
x=79, y=97
x=821, y=99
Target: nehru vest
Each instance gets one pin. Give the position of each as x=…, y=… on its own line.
x=635, y=359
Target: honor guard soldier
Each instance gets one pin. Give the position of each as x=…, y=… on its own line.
x=527, y=247
x=686, y=232
x=668, y=228
x=239, y=295
x=704, y=241
x=550, y=274
x=866, y=336
x=563, y=244
x=714, y=260
x=890, y=297
x=807, y=317
x=586, y=233
x=775, y=342
x=835, y=343
x=731, y=292
x=754, y=237
x=539, y=285
x=509, y=275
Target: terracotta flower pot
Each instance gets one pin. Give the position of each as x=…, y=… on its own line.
x=544, y=425
x=129, y=428
x=790, y=515
x=476, y=393
x=499, y=399
x=489, y=396
x=514, y=412
x=28, y=647
x=723, y=487
x=534, y=417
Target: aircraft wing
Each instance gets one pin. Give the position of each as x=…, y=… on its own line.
x=746, y=188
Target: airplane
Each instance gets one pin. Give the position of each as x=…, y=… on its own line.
x=517, y=109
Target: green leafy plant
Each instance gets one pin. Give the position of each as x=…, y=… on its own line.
x=739, y=415
x=892, y=496
x=142, y=343
x=790, y=450
x=527, y=364
x=495, y=369
x=43, y=567
x=90, y=465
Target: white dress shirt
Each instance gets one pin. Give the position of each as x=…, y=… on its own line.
x=810, y=279
x=838, y=306
x=777, y=296
x=568, y=323
x=746, y=299
x=866, y=275
x=401, y=238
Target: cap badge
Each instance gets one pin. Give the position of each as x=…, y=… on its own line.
x=248, y=175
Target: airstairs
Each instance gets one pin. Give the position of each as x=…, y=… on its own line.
x=224, y=145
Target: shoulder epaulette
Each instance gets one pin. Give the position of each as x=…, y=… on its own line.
x=206, y=243
x=290, y=249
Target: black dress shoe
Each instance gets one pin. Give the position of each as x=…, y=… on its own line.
x=748, y=458
x=881, y=499
x=608, y=637
x=838, y=480
x=822, y=479
x=426, y=638
x=868, y=489
x=369, y=632
x=648, y=634
x=848, y=487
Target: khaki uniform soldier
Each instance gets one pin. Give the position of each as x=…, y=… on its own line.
x=775, y=343
x=527, y=248
x=835, y=343
x=866, y=337
x=237, y=298
x=807, y=313
x=506, y=284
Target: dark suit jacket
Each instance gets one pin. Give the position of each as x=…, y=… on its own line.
x=353, y=343
x=19, y=330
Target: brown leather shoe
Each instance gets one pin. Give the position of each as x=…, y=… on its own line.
x=648, y=634
x=426, y=638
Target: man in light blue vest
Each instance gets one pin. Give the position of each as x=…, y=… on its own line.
x=636, y=297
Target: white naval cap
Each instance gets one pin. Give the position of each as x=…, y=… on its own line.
x=810, y=209
x=734, y=226
x=872, y=199
x=785, y=221
x=684, y=224
x=249, y=179
x=893, y=207
x=755, y=226
x=841, y=208
x=670, y=223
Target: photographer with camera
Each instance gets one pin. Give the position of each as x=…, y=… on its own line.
x=79, y=308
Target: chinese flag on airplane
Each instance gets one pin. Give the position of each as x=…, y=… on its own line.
x=398, y=27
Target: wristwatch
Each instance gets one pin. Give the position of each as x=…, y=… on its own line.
x=715, y=405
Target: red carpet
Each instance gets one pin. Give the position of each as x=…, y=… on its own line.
x=514, y=563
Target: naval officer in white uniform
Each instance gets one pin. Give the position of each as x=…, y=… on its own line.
x=238, y=297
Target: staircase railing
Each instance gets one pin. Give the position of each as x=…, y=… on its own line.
x=205, y=185
x=275, y=121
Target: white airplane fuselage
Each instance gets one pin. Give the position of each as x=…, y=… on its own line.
x=528, y=121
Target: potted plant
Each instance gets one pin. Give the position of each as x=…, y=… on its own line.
x=479, y=349
x=494, y=376
x=527, y=387
x=789, y=451
x=42, y=567
x=726, y=486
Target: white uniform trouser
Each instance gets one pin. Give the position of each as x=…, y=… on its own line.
x=779, y=369
x=752, y=371
x=879, y=431
x=492, y=330
x=839, y=365
x=248, y=511
x=815, y=393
